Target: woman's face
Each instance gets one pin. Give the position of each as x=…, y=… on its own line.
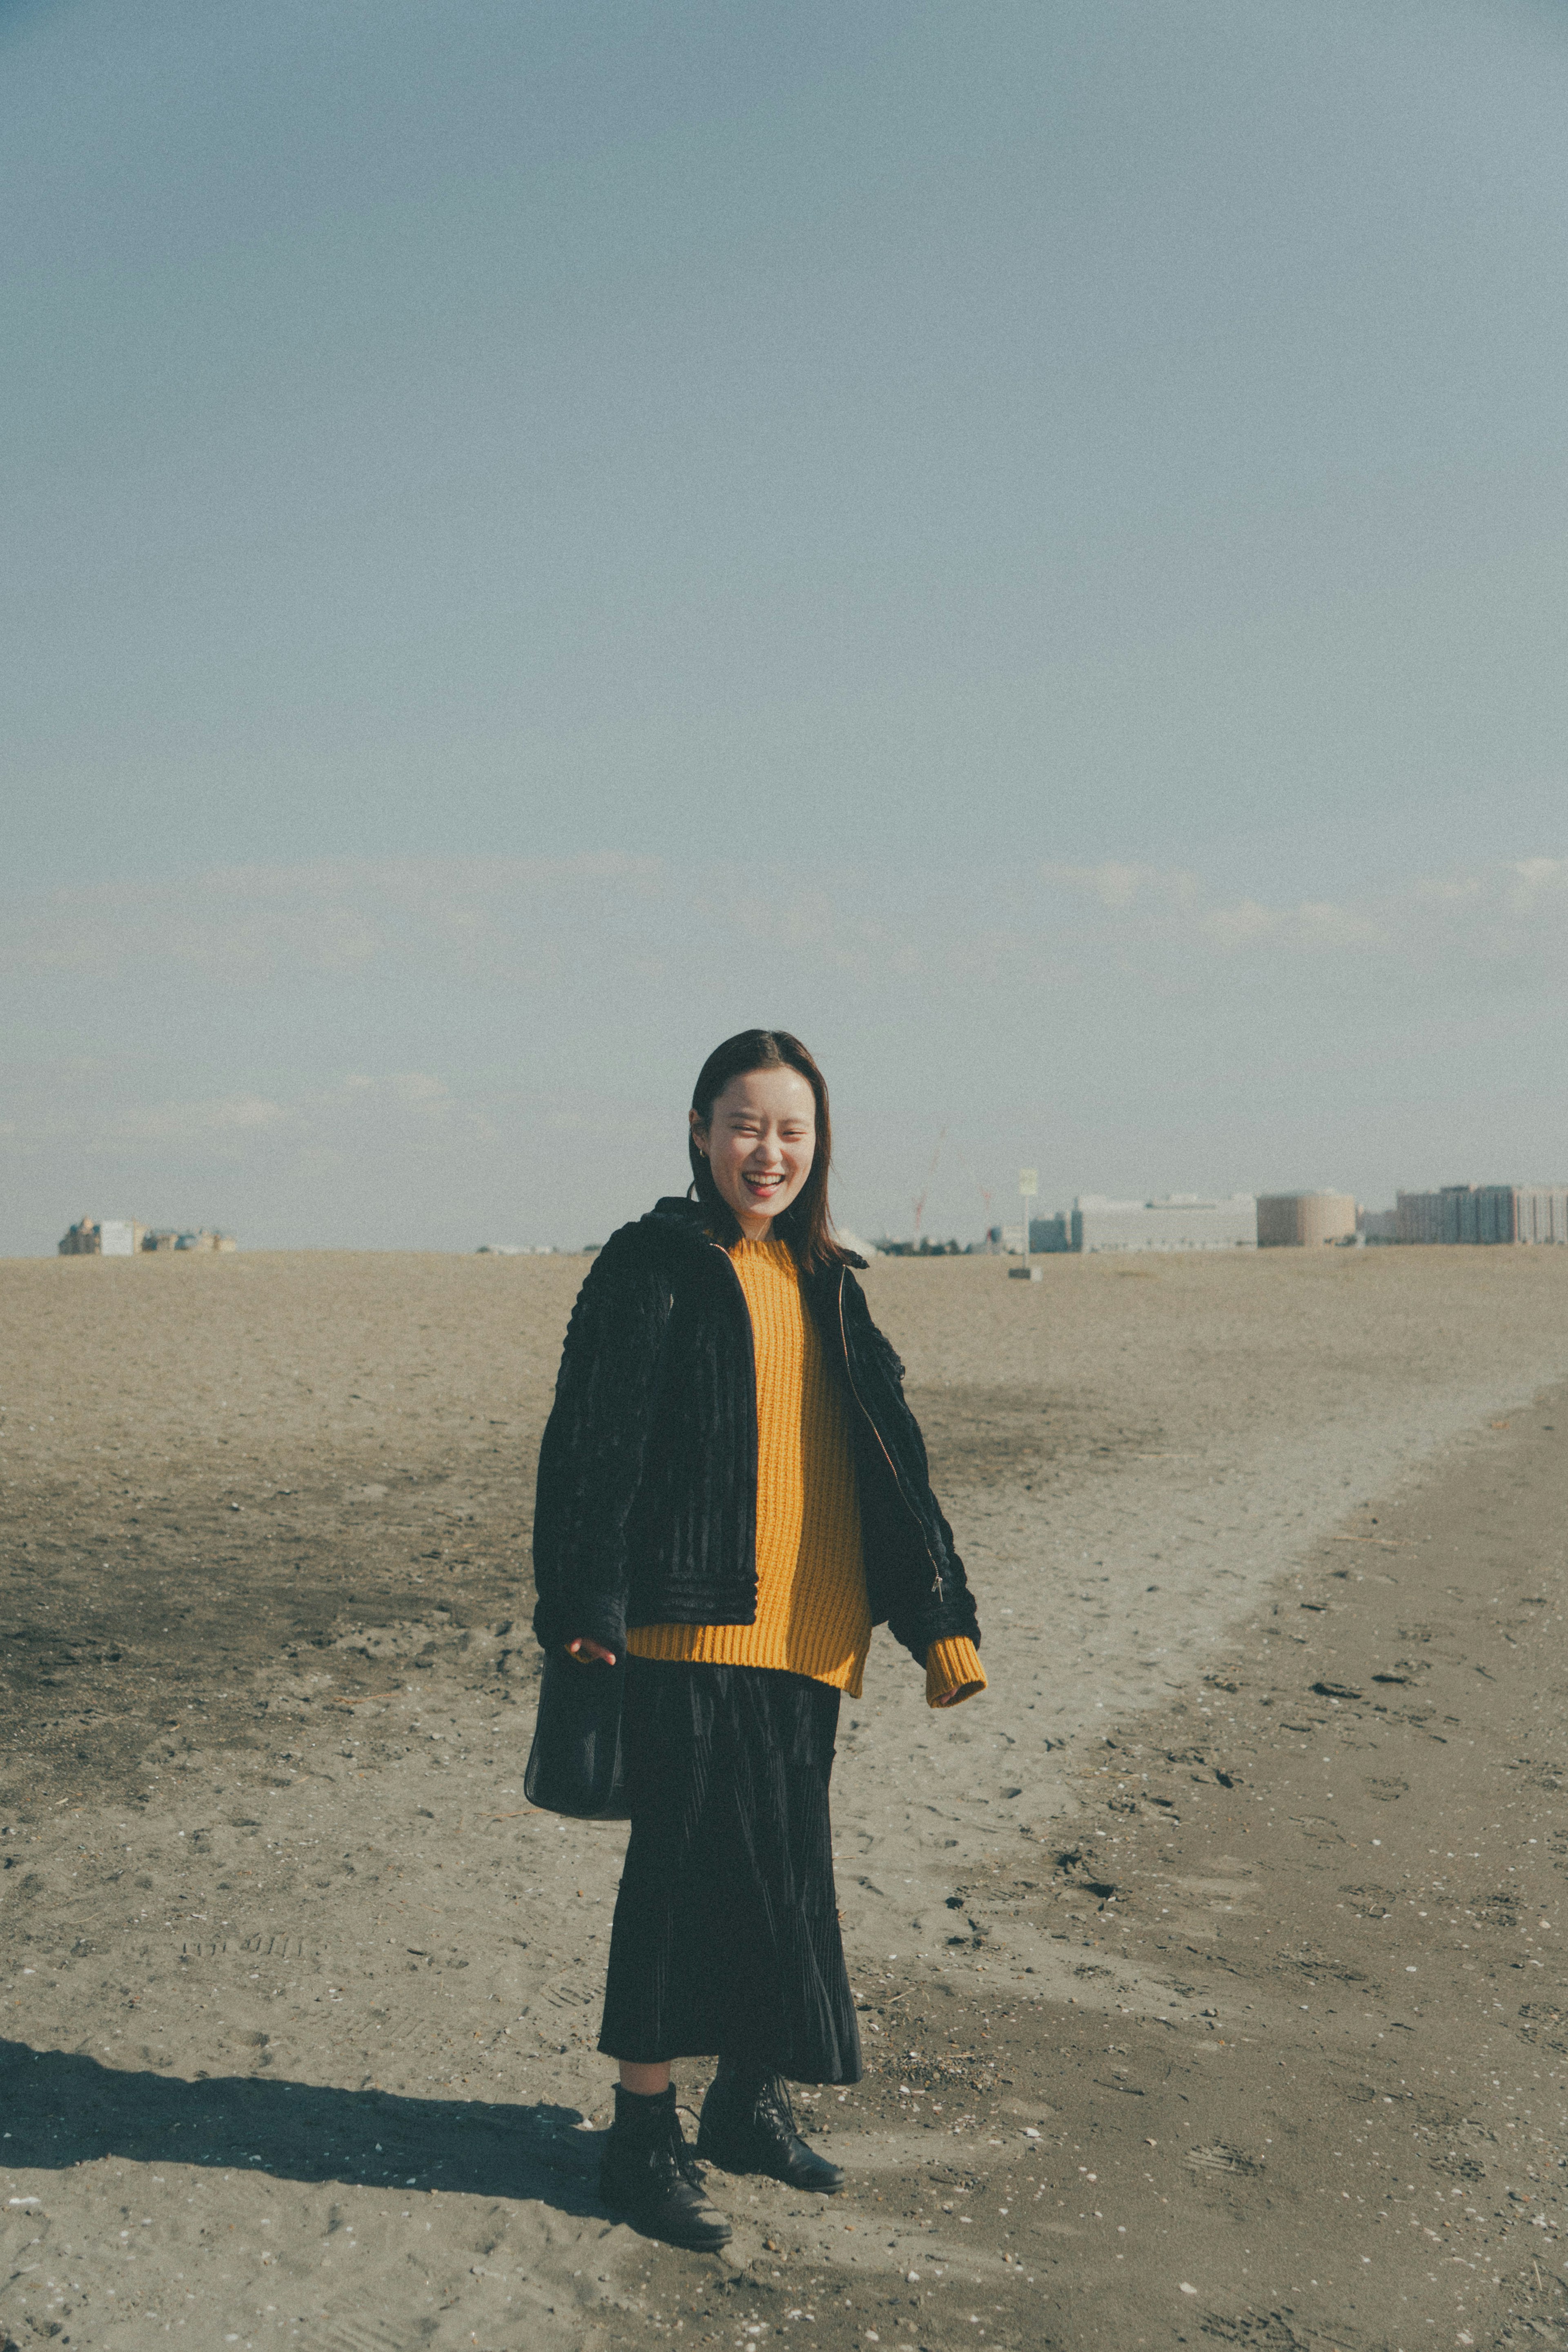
x=760, y=1144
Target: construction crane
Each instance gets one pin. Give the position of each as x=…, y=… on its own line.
x=983, y=1190
x=923, y=1193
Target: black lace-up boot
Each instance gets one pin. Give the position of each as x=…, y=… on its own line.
x=649, y=2172
x=748, y=2125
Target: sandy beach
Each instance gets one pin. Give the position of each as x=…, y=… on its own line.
x=1209, y=1964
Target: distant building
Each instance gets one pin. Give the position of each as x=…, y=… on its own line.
x=1419, y=1216
x=102, y=1237
x=123, y=1237
x=1046, y=1236
x=1181, y=1222
x=1485, y=1213
x=1377, y=1227
x=1304, y=1219
x=1479, y=1212
x=1541, y=1212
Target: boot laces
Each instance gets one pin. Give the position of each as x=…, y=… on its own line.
x=773, y=2102
x=679, y=2153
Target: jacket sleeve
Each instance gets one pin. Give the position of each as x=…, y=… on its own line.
x=941, y=1610
x=590, y=1459
x=928, y=1598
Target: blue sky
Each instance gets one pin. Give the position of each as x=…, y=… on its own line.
x=1026, y=543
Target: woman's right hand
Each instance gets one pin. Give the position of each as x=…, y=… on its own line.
x=589, y=1653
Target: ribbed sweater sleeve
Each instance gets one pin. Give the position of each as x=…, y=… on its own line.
x=953, y=1666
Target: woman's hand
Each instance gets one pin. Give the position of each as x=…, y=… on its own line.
x=589, y=1653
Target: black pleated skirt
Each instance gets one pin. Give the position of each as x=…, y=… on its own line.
x=726, y=1942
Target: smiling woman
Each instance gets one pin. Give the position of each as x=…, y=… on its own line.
x=732, y=1491
x=758, y=1143
x=762, y=1141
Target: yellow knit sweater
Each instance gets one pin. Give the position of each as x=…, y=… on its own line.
x=811, y=1613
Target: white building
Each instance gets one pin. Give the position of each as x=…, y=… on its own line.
x=102, y=1237
x=1180, y=1222
x=1541, y=1212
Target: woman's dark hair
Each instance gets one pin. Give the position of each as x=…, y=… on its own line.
x=805, y=1224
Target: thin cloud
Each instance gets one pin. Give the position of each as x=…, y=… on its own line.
x=562, y=934
x=1116, y=884
x=1507, y=914
x=1536, y=881
x=403, y=1109
x=236, y=926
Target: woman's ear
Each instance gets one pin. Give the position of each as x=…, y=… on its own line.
x=699, y=1132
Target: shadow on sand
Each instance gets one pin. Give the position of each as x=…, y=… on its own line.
x=60, y=2108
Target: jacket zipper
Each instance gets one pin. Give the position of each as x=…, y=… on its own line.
x=751, y=1332
x=897, y=1483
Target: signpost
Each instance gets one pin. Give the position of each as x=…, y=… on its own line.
x=1028, y=1186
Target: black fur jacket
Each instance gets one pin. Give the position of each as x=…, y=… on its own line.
x=646, y=1512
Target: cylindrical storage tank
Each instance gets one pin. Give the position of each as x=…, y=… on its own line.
x=1304, y=1219
x=1327, y=1217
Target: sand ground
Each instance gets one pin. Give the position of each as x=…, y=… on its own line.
x=1239, y=1936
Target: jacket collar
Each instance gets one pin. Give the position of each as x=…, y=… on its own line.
x=674, y=1219
x=684, y=1220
